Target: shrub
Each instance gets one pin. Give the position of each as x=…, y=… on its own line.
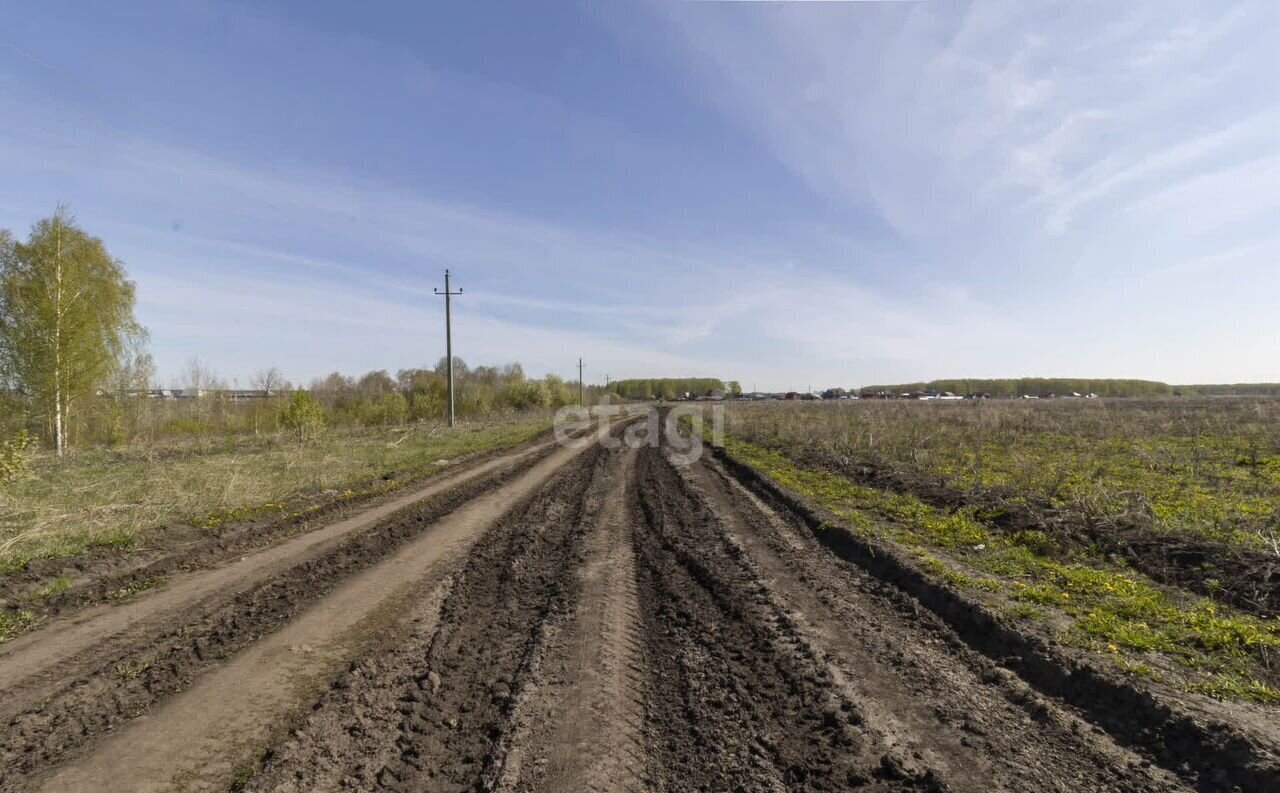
x=524, y=395
x=393, y=408
x=15, y=457
x=302, y=417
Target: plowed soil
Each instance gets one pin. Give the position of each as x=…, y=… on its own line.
x=564, y=619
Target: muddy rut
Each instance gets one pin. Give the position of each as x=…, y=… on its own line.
x=593, y=618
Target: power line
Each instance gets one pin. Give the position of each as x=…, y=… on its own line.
x=448, y=337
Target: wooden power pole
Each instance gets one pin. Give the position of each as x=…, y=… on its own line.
x=448, y=338
x=580, y=402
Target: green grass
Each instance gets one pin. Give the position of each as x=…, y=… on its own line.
x=1199, y=486
x=133, y=588
x=122, y=498
x=126, y=671
x=1106, y=607
x=1202, y=468
x=13, y=623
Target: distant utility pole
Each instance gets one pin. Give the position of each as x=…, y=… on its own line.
x=581, y=403
x=448, y=337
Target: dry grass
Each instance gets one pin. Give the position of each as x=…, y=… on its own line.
x=118, y=497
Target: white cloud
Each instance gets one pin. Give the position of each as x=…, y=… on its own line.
x=1051, y=185
x=244, y=301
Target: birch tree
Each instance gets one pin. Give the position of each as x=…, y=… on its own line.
x=66, y=318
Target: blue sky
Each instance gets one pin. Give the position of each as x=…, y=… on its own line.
x=789, y=194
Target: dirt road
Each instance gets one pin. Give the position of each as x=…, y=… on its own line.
x=559, y=620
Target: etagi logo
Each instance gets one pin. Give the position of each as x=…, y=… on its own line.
x=682, y=428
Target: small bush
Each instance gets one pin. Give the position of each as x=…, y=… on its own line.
x=393, y=408
x=15, y=457
x=302, y=417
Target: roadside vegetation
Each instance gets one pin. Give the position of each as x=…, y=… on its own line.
x=95, y=453
x=1012, y=503
x=128, y=496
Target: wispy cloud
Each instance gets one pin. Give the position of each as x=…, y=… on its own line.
x=940, y=116
x=995, y=188
x=255, y=266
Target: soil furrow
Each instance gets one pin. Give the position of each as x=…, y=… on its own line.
x=251, y=689
x=916, y=682
x=579, y=727
x=35, y=665
x=595, y=619
x=736, y=700
x=447, y=698
x=1210, y=754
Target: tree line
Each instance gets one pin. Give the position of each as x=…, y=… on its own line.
x=1230, y=389
x=421, y=394
x=74, y=366
x=1035, y=386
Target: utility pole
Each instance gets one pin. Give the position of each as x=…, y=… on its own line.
x=580, y=402
x=448, y=338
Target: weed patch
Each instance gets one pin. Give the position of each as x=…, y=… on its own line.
x=1107, y=607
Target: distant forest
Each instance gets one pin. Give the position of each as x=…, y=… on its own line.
x=1036, y=386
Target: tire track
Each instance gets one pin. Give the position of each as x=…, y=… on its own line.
x=580, y=728
x=736, y=700
x=919, y=685
x=606, y=621
x=200, y=736
x=36, y=665
x=446, y=699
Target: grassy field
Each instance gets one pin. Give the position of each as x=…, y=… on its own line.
x=122, y=497
x=1207, y=467
x=1203, y=469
